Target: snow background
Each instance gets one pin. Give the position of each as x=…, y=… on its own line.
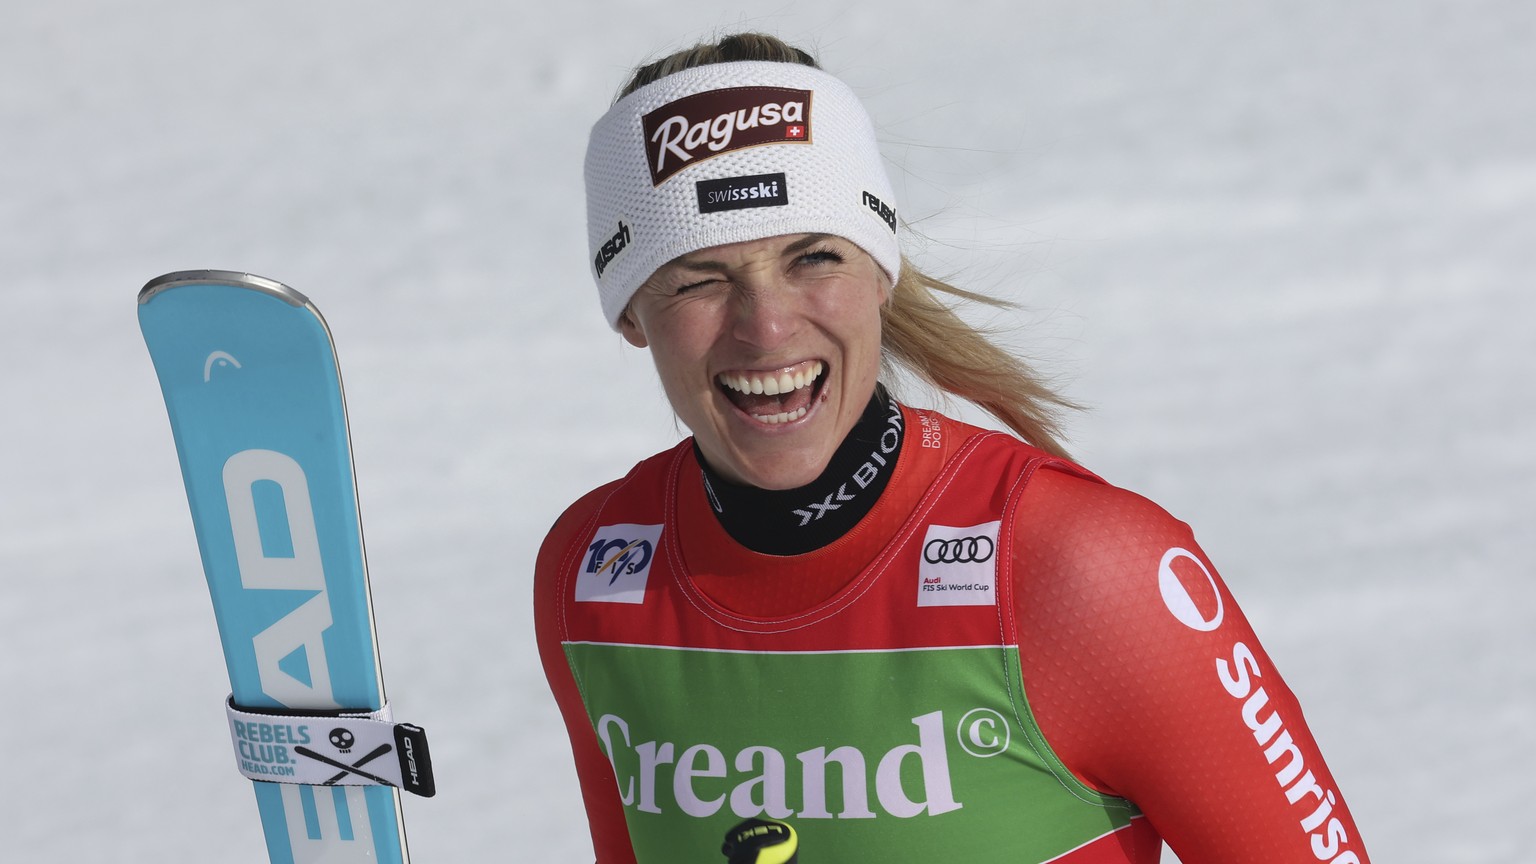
x=1282, y=249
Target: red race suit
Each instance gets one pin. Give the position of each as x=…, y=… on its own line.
x=1006, y=659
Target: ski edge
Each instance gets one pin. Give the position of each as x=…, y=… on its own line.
x=236, y=278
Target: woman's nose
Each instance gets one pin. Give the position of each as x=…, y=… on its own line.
x=765, y=316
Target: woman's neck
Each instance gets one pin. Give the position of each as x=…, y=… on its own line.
x=796, y=521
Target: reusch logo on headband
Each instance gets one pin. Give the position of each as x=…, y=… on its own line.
x=611, y=249
x=707, y=124
x=885, y=211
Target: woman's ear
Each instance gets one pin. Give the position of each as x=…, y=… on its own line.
x=630, y=329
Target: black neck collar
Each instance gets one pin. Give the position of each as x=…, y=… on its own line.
x=796, y=521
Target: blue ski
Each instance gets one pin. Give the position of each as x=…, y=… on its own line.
x=255, y=401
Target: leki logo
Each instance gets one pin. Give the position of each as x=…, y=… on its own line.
x=707, y=124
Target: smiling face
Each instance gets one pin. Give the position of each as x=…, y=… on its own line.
x=769, y=350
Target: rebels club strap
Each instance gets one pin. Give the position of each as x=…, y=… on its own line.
x=362, y=748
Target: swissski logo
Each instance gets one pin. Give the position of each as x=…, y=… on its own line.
x=958, y=566
x=694, y=128
x=739, y=193
x=617, y=564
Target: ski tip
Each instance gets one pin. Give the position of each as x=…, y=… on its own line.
x=161, y=284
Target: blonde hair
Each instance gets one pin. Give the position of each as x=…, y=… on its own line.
x=919, y=331
x=923, y=334
x=735, y=48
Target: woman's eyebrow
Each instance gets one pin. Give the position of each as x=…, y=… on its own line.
x=804, y=243
x=688, y=263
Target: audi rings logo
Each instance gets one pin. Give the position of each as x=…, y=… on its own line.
x=958, y=565
x=959, y=550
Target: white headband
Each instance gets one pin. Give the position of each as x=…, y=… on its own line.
x=729, y=152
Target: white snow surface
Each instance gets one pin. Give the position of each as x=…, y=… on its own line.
x=1283, y=251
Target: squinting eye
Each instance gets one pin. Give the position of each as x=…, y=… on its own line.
x=821, y=256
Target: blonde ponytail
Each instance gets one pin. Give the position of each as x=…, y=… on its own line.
x=923, y=334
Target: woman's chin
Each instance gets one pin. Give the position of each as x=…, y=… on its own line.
x=776, y=452
x=777, y=460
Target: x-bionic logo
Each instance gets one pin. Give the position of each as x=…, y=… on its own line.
x=879, y=458
x=959, y=550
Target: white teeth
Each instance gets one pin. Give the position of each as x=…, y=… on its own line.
x=776, y=419
x=768, y=385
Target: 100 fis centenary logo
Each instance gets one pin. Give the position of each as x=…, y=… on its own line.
x=617, y=564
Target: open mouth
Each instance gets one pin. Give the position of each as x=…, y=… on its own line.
x=779, y=396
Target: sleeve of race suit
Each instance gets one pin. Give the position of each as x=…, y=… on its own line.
x=1148, y=683
x=605, y=815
